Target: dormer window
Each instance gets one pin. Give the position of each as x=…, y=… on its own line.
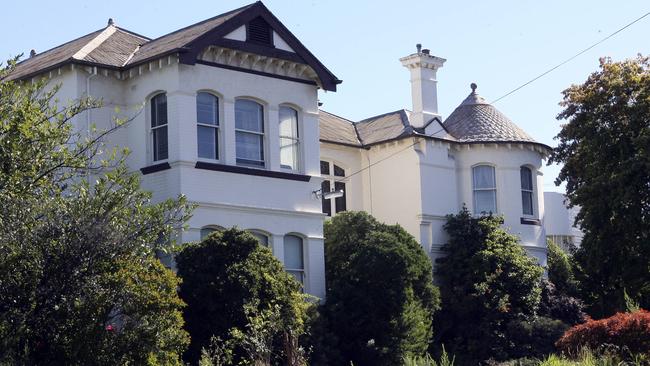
x=259, y=31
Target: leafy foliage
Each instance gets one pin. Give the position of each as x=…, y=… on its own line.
x=79, y=282
x=486, y=282
x=623, y=334
x=239, y=293
x=559, y=306
x=380, y=291
x=605, y=152
x=560, y=270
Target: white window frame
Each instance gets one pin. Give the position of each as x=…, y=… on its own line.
x=531, y=191
x=263, y=162
x=474, y=190
x=152, y=129
x=212, y=229
x=264, y=234
x=296, y=140
x=301, y=271
x=333, y=179
x=216, y=127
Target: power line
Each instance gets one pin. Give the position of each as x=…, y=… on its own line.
x=570, y=58
x=507, y=94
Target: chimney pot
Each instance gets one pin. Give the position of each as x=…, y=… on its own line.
x=426, y=51
x=419, y=47
x=110, y=21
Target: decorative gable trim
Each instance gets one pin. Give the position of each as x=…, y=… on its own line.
x=191, y=52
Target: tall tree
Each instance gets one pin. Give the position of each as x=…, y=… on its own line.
x=605, y=149
x=488, y=285
x=79, y=282
x=381, y=297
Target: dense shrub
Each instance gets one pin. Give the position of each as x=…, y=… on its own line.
x=535, y=337
x=239, y=294
x=486, y=281
x=623, y=333
x=560, y=271
x=560, y=306
x=381, y=297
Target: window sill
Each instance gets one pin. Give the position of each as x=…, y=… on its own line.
x=530, y=221
x=251, y=171
x=155, y=168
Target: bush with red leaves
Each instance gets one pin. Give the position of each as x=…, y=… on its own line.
x=623, y=333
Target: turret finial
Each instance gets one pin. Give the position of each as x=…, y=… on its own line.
x=473, y=86
x=110, y=21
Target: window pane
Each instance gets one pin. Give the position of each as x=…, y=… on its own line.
x=159, y=110
x=293, y=258
x=263, y=239
x=324, y=168
x=298, y=275
x=207, y=231
x=338, y=171
x=339, y=202
x=288, y=153
x=207, y=109
x=526, y=178
x=288, y=122
x=483, y=177
x=160, y=143
x=527, y=202
x=327, y=204
x=485, y=202
x=207, y=140
x=249, y=147
x=248, y=115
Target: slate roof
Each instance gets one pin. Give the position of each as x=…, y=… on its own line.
x=475, y=120
x=337, y=130
x=116, y=48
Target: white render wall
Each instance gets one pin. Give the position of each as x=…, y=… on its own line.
x=418, y=186
x=270, y=205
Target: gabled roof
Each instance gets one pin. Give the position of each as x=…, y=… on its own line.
x=117, y=48
x=388, y=126
x=337, y=130
x=476, y=120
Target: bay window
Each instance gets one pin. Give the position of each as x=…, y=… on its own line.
x=159, y=127
x=249, y=133
x=289, y=139
x=526, y=190
x=294, y=262
x=484, y=189
x=207, y=126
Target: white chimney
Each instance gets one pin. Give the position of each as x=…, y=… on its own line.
x=424, y=90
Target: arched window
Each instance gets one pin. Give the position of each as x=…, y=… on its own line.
x=207, y=230
x=294, y=262
x=485, y=189
x=159, y=127
x=526, y=190
x=249, y=133
x=289, y=139
x=261, y=237
x=207, y=125
x=332, y=174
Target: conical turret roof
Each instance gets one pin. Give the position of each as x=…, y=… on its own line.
x=476, y=120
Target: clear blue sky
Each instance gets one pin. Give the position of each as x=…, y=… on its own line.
x=497, y=44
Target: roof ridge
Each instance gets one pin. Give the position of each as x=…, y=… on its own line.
x=381, y=115
x=94, y=43
x=336, y=115
x=205, y=21
x=58, y=46
x=133, y=33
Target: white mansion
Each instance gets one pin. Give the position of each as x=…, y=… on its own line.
x=231, y=120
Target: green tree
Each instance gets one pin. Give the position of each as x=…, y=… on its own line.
x=560, y=270
x=238, y=292
x=605, y=151
x=381, y=297
x=487, y=284
x=79, y=282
